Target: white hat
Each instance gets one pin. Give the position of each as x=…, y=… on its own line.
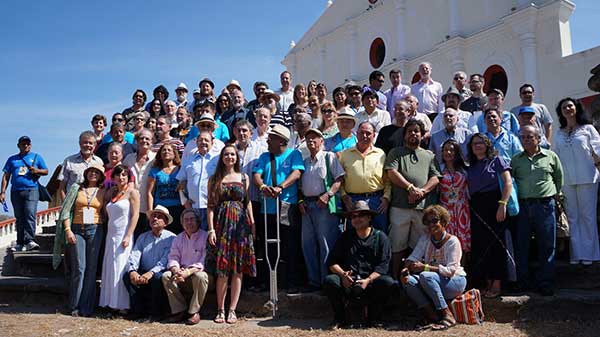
x=181, y=86
x=234, y=83
x=164, y=211
x=280, y=131
x=197, y=91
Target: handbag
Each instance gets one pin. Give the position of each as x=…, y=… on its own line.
x=512, y=206
x=467, y=308
x=328, y=181
x=562, y=222
x=44, y=195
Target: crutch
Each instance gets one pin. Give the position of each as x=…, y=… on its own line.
x=272, y=266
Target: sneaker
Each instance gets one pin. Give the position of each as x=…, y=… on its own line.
x=32, y=245
x=17, y=248
x=293, y=291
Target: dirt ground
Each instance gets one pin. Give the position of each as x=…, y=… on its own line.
x=569, y=319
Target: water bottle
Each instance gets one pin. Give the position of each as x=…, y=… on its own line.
x=5, y=206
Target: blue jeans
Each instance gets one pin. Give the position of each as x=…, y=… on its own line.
x=320, y=230
x=430, y=287
x=536, y=216
x=380, y=221
x=24, y=203
x=84, y=261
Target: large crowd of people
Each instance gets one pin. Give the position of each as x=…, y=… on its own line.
x=413, y=187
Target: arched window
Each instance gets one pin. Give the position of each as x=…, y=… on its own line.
x=377, y=53
x=495, y=78
x=416, y=78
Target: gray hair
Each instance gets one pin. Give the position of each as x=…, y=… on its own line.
x=460, y=72
x=115, y=144
x=193, y=211
x=87, y=134
x=244, y=122
x=536, y=131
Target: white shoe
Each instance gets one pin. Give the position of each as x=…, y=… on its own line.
x=32, y=245
x=17, y=248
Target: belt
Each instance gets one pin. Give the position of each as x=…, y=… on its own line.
x=84, y=226
x=535, y=200
x=311, y=198
x=366, y=195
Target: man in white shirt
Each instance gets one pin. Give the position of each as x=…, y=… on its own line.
x=286, y=93
x=379, y=118
x=397, y=92
x=194, y=173
x=428, y=92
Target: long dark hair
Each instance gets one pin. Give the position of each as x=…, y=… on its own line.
x=158, y=161
x=218, y=106
x=335, y=91
x=459, y=163
x=214, y=182
x=580, y=117
x=490, y=152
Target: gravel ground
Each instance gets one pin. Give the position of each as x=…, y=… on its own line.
x=57, y=324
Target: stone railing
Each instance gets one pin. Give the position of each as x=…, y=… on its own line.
x=8, y=228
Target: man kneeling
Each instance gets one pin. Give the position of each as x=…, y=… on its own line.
x=360, y=265
x=147, y=262
x=186, y=270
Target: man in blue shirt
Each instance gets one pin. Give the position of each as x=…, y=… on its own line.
x=147, y=262
x=276, y=174
x=23, y=170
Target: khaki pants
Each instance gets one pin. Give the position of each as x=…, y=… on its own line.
x=196, y=284
x=406, y=227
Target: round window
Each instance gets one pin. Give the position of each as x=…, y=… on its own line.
x=377, y=53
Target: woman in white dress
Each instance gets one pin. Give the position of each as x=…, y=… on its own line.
x=577, y=144
x=123, y=211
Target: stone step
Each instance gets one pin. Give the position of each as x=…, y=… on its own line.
x=49, y=229
x=35, y=263
x=46, y=241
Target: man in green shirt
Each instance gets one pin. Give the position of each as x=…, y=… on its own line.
x=539, y=177
x=413, y=174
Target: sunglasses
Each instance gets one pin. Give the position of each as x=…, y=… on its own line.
x=118, y=119
x=328, y=111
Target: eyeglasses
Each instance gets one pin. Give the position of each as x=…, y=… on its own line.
x=118, y=119
x=526, y=92
x=431, y=221
x=140, y=119
x=138, y=96
x=328, y=111
x=458, y=78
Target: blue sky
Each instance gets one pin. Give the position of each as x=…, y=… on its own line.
x=63, y=61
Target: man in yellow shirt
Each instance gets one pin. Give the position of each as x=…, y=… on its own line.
x=365, y=178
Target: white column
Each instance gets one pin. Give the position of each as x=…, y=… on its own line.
x=454, y=29
x=400, y=14
x=528, y=51
x=352, y=32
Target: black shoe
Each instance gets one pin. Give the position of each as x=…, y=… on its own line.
x=293, y=291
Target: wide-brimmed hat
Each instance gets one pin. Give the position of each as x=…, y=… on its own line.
x=453, y=91
x=315, y=131
x=164, y=211
x=98, y=167
x=207, y=80
x=360, y=206
x=234, y=83
x=205, y=118
x=269, y=94
x=346, y=113
x=280, y=131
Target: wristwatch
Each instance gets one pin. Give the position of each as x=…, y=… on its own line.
x=330, y=194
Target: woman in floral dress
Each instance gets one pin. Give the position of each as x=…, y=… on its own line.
x=454, y=193
x=230, y=230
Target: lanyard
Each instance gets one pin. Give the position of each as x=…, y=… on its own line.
x=90, y=198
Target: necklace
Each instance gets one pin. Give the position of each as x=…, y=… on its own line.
x=120, y=194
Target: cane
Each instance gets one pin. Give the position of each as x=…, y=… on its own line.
x=272, y=266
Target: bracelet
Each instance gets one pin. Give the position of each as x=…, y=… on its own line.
x=211, y=231
x=262, y=187
x=300, y=201
x=67, y=229
x=410, y=187
x=426, y=268
x=502, y=202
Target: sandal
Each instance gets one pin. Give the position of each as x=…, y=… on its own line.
x=231, y=317
x=220, y=318
x=492, y=293
x=445, y=324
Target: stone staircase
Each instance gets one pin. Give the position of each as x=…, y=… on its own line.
x=28, y=277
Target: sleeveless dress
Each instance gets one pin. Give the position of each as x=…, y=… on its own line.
x=112, y=291
x=234, y=250
x=454, y=197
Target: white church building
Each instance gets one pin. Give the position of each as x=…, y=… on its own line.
x=510, y=42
